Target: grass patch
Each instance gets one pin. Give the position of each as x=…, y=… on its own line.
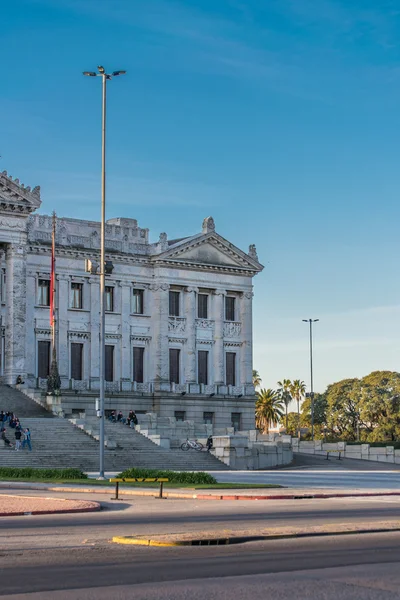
x=40, y=474
x=181, y=477
x=95, y=482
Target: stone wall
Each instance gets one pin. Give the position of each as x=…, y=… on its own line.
x=385, y=454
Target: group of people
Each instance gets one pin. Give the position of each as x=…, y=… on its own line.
x=131, y=420
x=22, y=435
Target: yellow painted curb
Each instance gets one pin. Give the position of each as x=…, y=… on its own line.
x=146, y=542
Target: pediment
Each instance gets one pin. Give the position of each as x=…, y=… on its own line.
x=15, y=198
x=210, y=251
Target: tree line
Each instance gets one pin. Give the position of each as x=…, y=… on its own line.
x=366, y=409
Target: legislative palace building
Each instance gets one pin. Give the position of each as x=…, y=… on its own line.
x=178, y=314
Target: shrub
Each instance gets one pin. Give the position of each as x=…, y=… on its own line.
x=184, y=477
x=30, y=473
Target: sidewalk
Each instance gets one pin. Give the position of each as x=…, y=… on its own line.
x=13, y=506
x=215, y=494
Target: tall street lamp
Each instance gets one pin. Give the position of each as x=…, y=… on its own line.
x=311, y=321
x=105, y=76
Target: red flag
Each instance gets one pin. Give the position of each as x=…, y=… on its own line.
x=53, y=273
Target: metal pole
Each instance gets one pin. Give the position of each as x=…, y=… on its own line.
x=102, y=276
x=312, y=383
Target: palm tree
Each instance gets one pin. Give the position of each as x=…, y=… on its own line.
x=269, y=409
x=256, y=379
x=284, y=393
x=298, y=391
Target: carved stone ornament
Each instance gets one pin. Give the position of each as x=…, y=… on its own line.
x=208, y=225
x=204, y=323
x=253, y=252
x=232, y=329
x=176, y=324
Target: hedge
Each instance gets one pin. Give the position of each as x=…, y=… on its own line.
x=30, y=473
x=196, y=477
x=396, y=445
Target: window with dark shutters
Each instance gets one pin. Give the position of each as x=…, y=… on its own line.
x=202, y=366
x=109, y=366
x=137, y=302
x=208, y=418
x=138, y=355
x=202, y=306
x=230, y=368
x=109, y=294
x=43, y=359
x=236, y=421
x=174, y=365
x=174, y=304
x=229, y=308
x=76, y=361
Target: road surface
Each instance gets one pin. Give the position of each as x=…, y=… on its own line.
x=356, y=568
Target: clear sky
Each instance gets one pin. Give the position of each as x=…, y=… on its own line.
x=280, y=118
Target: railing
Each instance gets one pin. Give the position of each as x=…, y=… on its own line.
x=232, y=329
x=176, y=324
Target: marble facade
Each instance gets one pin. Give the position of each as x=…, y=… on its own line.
x=204, y=263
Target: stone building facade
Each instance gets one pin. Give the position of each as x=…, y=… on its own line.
x=178, y=322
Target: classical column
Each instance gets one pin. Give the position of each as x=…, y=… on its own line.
x=126, y=335
x=246, y=359
x=94, y=333
x=15, y=312
x=218, y=314
x=30, y=341
x=160, y=312
x=62, y=323
x=190, y=314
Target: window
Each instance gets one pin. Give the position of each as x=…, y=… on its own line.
x=208, y=418
x=76, y=361
x=202, y=306
x=137, y=302
x=174, y=365
x=230, y=368
x=174, y=304
x=43, y=292
x=3, y=286
x=109, y=304
x=236, y=419
x=138, y=356
x=202, y=366
x=229, y=308
x=180, y=415
x=76, y=295
x=43, y=359
x=109, y=363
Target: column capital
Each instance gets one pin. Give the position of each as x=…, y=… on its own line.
x=247, y=295
x=155, y=287
x=219, y=292
x=191, y=290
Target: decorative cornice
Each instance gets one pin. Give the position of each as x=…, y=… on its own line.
x=140, y=338
x=177, y=340
x=15, y=198
x=78, y=335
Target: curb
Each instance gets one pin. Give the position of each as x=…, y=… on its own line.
x=53, y=512
x=187, y=496
x=127, y=540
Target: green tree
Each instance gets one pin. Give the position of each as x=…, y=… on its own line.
x=342, y=410
x=284, y=394
x=320, y=411
x=379, y=406
x=298, y=392
x=269, y=409
x=256, y=379
x=293, y=424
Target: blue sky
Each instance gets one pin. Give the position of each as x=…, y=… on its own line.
x=279, y=118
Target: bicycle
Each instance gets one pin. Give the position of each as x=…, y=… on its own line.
x=194, y=444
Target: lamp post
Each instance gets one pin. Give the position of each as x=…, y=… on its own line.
x=311, y=321
x=105, y=77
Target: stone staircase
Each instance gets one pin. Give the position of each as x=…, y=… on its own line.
x=57, y=443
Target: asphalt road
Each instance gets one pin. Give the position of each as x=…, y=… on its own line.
x=150, y=515
x=358, y=567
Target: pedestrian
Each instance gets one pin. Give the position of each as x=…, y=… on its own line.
x=5, y=439
x=209, y=443
x=120, y=416
x=18, y=435
x=27, y=439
